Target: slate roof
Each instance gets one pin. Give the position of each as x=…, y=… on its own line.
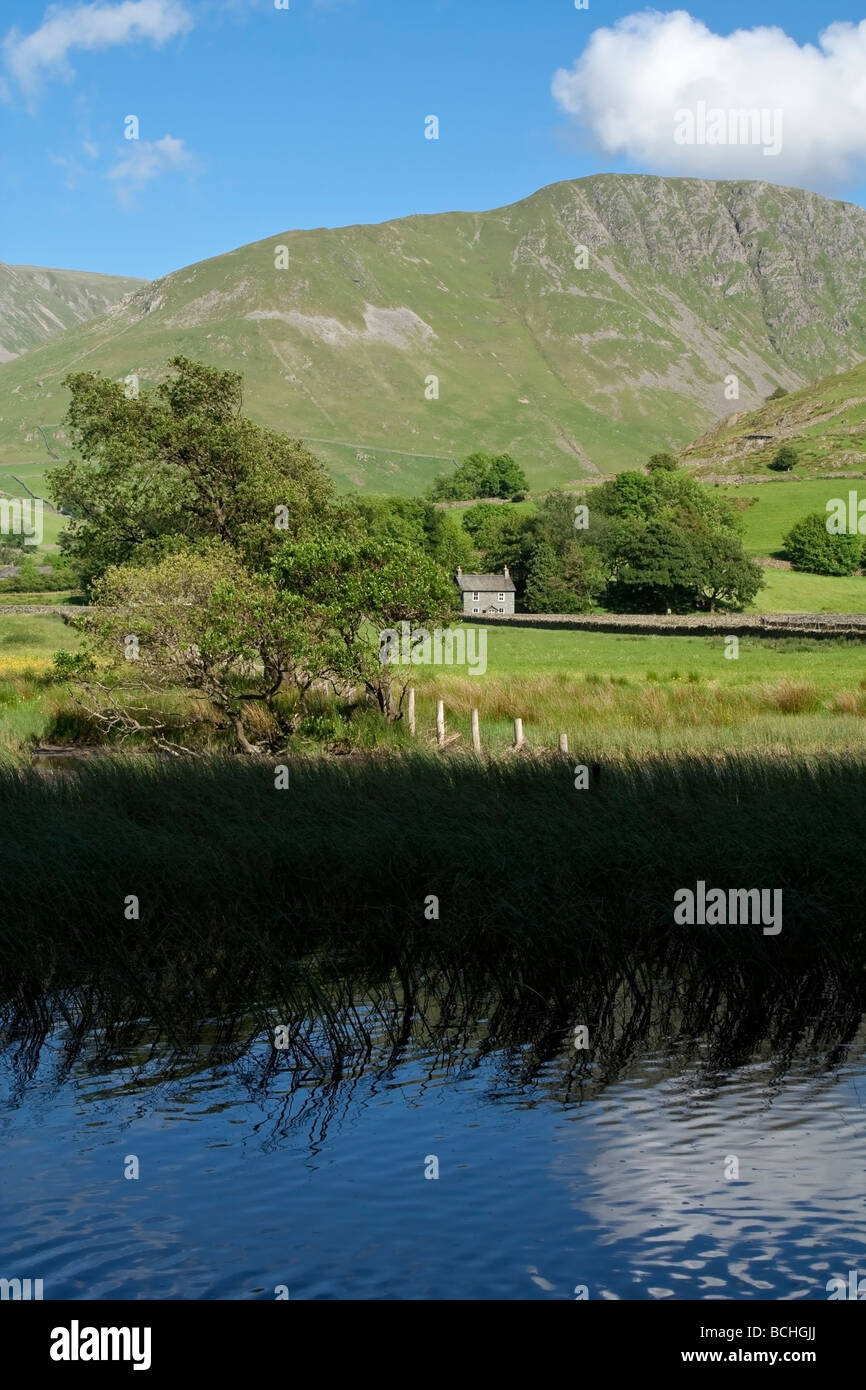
x=487, y=583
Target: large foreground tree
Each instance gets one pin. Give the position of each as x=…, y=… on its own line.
x=177, y=464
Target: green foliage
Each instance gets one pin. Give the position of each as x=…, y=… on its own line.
x=67, y=665
x=485, y=524
x=554, y=521
x=220, y=547
x=564, y=572
x=665, y=462
x=13, y=545
x=666, y=495
x=668, y=541
x=413, y=522
x=203, y=623
x=695, y=556
x=30, y=579
x=177, y=466
x=353, y=584
x=502, y=538
x=810, y=546
x=778, y=394
x=544, y=587
x=727, y=575
x=565, y=583
x=661, y=570
x=480, y=475
x=784, y=459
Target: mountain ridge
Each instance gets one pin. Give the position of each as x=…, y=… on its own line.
x=578, y=371
x=38, y=303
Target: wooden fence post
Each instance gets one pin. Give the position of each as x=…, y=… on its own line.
x=411, y=710
x=476, y=732
x=563, y=744
x=519, y=740
x=440, y=723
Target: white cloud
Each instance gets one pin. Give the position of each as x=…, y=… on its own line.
x=30, y=58
x=631, y=81
x=144, y=161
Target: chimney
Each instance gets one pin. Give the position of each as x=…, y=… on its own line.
x=459, y=571
x=505, y=570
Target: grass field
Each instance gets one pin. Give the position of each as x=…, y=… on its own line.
x=10, y=599
x=33, y=637
x=793, y=591
x=20, y=480
x=612, y=694
x=642, y=692
x=33, y=475
x=528, y=652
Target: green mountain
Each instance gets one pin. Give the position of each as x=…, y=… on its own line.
x=38, y=304
x=825, y=423
x=577, y=370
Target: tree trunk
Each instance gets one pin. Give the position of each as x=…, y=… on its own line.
x=241, y=735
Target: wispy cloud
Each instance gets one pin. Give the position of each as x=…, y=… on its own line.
x=631, y=81
x=146, y=160
x=30, y=59
x=75, y=169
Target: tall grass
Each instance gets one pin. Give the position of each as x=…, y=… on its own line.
x=353, y=847
x=313, y=905
x=599, y=715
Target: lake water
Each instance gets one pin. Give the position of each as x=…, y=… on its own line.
x=264, y=1169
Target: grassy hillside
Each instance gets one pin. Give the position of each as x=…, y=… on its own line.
x=769, y=511
x=577, y=371
x=38, y=304
x=824, y=422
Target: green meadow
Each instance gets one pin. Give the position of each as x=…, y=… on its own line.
x=530, y=652
x=23, y=479
x=793, y=591
x=612, y=694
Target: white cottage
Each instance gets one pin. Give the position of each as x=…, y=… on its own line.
x=486, y=593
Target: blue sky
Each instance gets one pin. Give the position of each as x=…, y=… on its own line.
x=255, y=120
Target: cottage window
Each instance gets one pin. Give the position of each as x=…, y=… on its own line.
x=501, y=597
x=475, y=610
x=475, y=597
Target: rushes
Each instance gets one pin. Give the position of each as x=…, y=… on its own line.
x=307, y=904
x=354, y=845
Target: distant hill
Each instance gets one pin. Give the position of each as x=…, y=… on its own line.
x=824, y=422
x=576, y=371
x=37, y=304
